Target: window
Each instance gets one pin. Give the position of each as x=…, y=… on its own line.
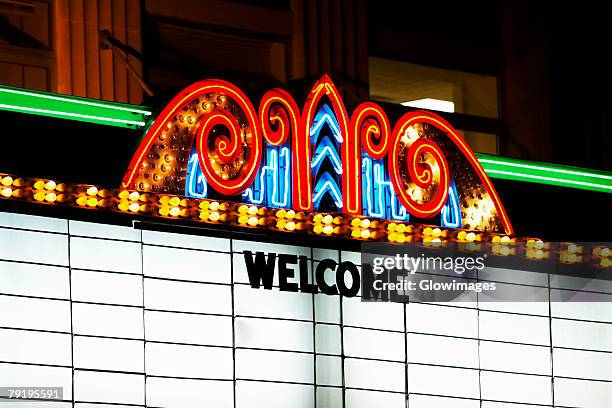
x=516, y=388
x=187, y=297
x=438, y=89
x=188, y=361
x=455, y=382
x=105, y=255
x=188, y=328
x=273, y=334
x=185, y=393
x=29, y=246
x=274, y=366
x=34, y=280
x=103, y=287
x=186, y=264
x=108, y=387
x=24, y=346
x=108, y=354
x=430, y=88
x=374, y=375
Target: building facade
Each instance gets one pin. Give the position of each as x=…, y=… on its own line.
x=127, y=286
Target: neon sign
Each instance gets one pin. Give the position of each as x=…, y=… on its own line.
x=315, y=159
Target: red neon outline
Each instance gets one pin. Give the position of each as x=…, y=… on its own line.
x=351, y=157
x=431, y=118
x=300, y=154
x=185, y=96
x=371, y=115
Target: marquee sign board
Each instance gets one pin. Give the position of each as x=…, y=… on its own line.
x=211, y=157
x=211, y=142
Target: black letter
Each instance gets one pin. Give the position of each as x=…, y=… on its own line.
x=348, y=266
x=260, y=271
x=305, y=286
x=323, y=265
x=284, y=273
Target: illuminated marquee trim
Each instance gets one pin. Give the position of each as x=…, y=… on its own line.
x=227, y=134
x=141, y=205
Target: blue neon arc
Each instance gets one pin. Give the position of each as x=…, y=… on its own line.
x=272, y=183
x=451, y=212
x=326, y=183
x=195, y=184
x=380, y=200
x=326, y=115
x=326, y=150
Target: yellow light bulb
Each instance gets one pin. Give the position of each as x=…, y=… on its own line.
x=7, y=192
x=92, y=201
x=290, y=226
x=7, y=180
x=92, y=191
x=328, y=219
x=50, y=185
x=365, y=223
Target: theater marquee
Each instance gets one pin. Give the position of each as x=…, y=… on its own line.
x=211, y=157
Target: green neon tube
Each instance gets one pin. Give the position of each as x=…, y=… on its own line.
x=545, y=173
x=73, y=108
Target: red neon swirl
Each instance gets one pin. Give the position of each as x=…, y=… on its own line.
x=278, y=108
x=225, y=147
x=370, y=124
x=411, y=118
x=427, y=169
